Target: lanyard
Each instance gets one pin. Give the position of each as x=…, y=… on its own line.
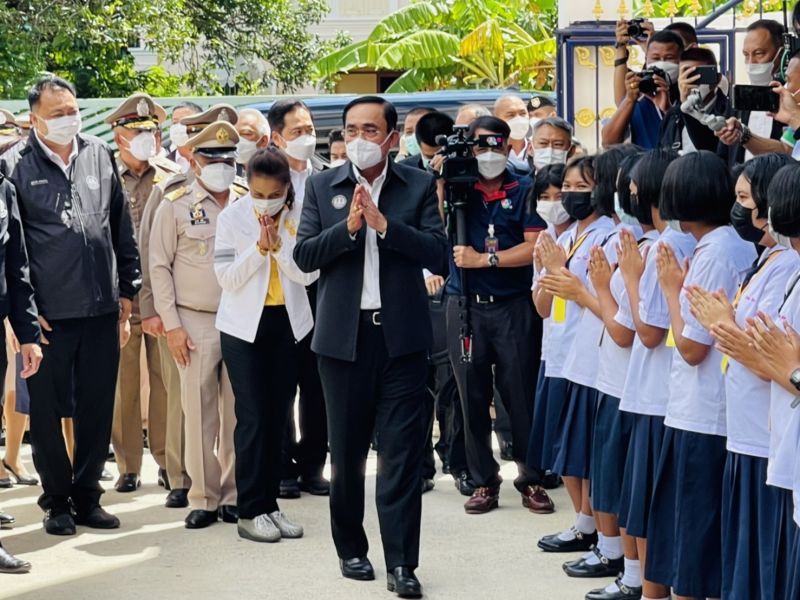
x=493, y=211
x=750, y=276
x=789, y=291
x=574, y=248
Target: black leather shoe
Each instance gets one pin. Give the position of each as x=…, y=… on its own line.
x=11, y=564
x=551, y=481
x=229, y=513
x=128, y=482
x=198, y=519
x=427, y=485
x=580, y=543
x=403, y=582
x=163, y=479
x=623, y=592
x=464, y=484
x=6, y=519
x=290, y=489
x=59, y=522
x=177, y=499
x=606, y=567
x=316, y=486
x=357, y=568
x=96, y=517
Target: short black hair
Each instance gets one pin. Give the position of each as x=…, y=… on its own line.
x=432, y=125
x=606, y=167
x=774, y=29
x=683, y=29
x=272, y=162
x=194, y=107
x=759, y=171
x=389, y=111
x=547, y=176
x=648, y=175
x=784, y=200
x=492, y=124
x=584, y=164
x=276, y=117
x=555, y=122
x=697, y=187
x=666, y=37
x=624, y=184
x=334, y=136
x=702, y=55
x=48, y=82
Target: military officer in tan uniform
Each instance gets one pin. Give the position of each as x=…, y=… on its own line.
x=135, y=123
x=187, y=295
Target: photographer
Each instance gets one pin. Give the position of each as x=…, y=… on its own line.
x=647, y=95
x=501, y=234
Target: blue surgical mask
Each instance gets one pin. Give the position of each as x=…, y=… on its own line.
x=412, y=147
x=675, y=225
x=624, y=217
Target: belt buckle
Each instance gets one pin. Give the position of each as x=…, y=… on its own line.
x=376, y=318
x=483, y=299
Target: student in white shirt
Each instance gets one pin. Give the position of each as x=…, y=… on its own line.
x=751, y=514
x=263, y=313
x=685, y=515
x=564, y=297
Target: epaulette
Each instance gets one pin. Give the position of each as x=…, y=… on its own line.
x=165, y=164
x=171, y=180
x=175, y=194
x=240, y=187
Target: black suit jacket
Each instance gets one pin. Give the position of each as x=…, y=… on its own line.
x=735, y=154
x=414, y=239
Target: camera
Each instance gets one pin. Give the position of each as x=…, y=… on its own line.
x=635, y=29
x=648, y=85
x=460, y=166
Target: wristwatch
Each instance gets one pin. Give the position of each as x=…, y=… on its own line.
x=493, y=260
x=746, y=135
x=794, y=379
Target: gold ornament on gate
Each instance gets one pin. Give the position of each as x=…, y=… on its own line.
x=622, y=9
x=672, y=8
x=648, y=10
x=585, y=117
x=597, y=11
x=584, y=57
x=607, y=55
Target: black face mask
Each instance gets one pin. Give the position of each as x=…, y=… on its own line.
x=577, y=204
x=742, y=221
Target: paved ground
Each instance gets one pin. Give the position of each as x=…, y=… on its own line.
x=152, y=556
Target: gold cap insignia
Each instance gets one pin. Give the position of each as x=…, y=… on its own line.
x=536, y=102
x=223, y=115
x=222, y=136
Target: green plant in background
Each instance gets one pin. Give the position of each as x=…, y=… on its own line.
x=456, y=43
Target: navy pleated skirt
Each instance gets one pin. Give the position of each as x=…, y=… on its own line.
x=551, y=396
x=684, y=540
x=612, y=431
x=751, y=522
x=574, y=453
x=793, y=575
x=787, y=574
x=641, y=462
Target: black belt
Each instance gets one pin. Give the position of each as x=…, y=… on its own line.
x=371, y=316
x=492, y=299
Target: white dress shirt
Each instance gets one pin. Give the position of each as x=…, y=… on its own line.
x=371, y=288
x=57, y=160
x=299, y=179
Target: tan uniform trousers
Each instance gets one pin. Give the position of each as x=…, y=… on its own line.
x=176, y=467
x=209, y=418
x=126, y=431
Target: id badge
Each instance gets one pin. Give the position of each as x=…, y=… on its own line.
x=559, y=309
x=490, y=243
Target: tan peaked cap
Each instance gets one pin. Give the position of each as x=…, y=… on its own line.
x=137, y=111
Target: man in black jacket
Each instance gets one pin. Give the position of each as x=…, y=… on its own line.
x=370, y=226
x=85, y=272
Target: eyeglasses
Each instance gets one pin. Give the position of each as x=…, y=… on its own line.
x=367, y=132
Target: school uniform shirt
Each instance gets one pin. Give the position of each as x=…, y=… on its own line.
x=565, y=319
x=697, y=393
x=784, y=421
x=546, y=323
x=613, y=360
x=748, y=396
x=646, y=389
x=583, y=356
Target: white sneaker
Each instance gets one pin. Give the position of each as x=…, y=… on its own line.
x=285, y=526
x=260, y=529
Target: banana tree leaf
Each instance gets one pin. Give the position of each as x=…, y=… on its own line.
x=413, y=80
x=420, y=15
x=422, y=49
x=342, y=60
x=486, y=37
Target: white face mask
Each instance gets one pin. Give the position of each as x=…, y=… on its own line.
x=621, y=214
x=246, y=148
x=759, y=73
x=178, y=135
x=780, y=239
x=491, y=164
x=519, y=127
x=534, y=121
x=670, y=68
x=675, y=225
x=62, y=130
x=143, y=146
x=301, y=148
x=218, y=177
x=552, y=212
x=184, y=164
x=270, y=206
x=543, y=157
x=365, y=154
x=338, y=162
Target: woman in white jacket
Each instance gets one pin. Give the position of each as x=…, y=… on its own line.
x=263, y=313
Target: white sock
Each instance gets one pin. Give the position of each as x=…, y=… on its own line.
x=665, y=598
x=567, y=535
x=612, y=547
x=632, y=576
x=585, y=523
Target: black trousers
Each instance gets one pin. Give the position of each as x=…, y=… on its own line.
x=77, y=379
x=264, y=379
x=385, y=394
x=503, y=339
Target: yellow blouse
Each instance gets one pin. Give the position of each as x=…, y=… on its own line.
x=274, y=289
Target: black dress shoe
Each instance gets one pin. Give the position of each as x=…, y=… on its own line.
x=427, y=485
x=198, y=519
x=177, y=499
x=357, y=568
x=316, y=486
x=20, y=479
x=290, y=489
x=605, y=568
x=128, y=482
x=623, y=592
x=11, y=564
x=403, y=582
x=59, y=522
x=229, y=513
x=163, y=479
x=551, y=481
x=464, y=484
x=580, y=543
x=96, y=517
x=507, y=451
x=6, y=519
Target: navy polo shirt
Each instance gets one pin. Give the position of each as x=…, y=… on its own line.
x=507, y=210
x=645, y=124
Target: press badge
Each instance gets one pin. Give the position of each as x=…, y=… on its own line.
x=491, y=244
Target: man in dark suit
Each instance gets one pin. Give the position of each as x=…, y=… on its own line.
x=370, y=226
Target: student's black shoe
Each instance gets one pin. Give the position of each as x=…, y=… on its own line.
x=551, y=481
x=623, y=592
x=581, y=542
x=606, y=567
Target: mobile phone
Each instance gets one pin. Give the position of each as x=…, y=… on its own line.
x=755, y=97
x=708, y=74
